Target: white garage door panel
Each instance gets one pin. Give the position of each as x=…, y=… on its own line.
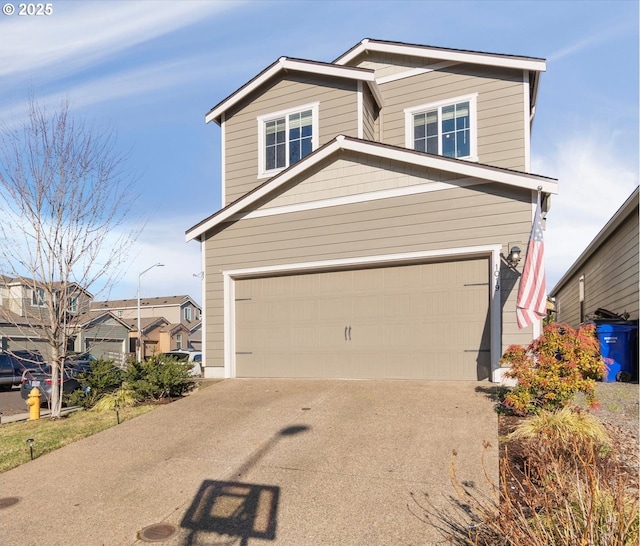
x=426, y=321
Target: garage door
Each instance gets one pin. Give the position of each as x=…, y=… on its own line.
x=425, y=321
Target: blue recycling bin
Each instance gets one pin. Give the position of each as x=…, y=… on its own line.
x=618, y=347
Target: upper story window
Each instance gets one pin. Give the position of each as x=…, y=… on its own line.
x=286, y=137
x=73, y=304
x=187, y=313
x=446, y=128
x=178, y=341
x=37, y=297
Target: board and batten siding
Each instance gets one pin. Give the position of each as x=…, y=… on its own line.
x=338, y=114
x=500, y=108
x=448, y=219
x=611, y=277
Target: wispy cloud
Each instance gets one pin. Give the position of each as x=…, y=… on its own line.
x=161, y=241
x=152, y=79
x=594, y=180
x=79, y=35
x=605, y=35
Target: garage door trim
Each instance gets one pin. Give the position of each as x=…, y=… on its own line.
x=490, y=251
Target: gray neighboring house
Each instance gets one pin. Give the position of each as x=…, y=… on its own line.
x=22, y=313
x=368, y=207
x=606, y=275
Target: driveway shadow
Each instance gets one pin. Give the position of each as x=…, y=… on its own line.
x=237, y=510
x=234, y=509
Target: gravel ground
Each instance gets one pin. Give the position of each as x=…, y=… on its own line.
x=620, y=413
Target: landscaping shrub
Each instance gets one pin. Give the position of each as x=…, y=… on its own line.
x=552, y=369
x=103, y=378
x=159, y=377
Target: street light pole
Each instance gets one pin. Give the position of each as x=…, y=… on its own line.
x=139, y=340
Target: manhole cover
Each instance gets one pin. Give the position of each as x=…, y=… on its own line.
x=6, y=502
x=158, y=532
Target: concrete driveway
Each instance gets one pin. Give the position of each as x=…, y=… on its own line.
x=264, y=461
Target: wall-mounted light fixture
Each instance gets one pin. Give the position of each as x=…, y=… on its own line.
x=513, y=259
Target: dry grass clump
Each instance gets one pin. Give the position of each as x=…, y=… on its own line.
x=123, y=396
x=564, y=486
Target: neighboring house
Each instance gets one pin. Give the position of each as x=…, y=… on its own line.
x=605, y=276
x=23, y=312
x=367, y=208
x=178, y=329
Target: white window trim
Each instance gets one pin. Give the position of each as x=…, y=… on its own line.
x=473, y=121
x=314, y=107
x=188, y=313
x=37, y=291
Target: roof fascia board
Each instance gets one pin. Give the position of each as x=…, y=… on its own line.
x=461, y=167
x=621, y=214
x=295, y=65
x=520, y=63
x=464, y=168
x=264, y=189
x=108, y=314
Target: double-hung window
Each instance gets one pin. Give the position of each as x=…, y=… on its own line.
x=286, y=137
x=446, y=128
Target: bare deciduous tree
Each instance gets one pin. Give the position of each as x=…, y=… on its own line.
x=65, y=201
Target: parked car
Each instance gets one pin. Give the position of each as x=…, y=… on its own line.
x=191, y=357
x=13, y=363
x=40, y=378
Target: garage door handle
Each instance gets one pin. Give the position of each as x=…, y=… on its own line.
x=345, y=332
x=349, y=333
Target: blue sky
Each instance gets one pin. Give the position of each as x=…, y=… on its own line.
x=150, y=70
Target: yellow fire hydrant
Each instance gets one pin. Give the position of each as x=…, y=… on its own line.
x=33, y=401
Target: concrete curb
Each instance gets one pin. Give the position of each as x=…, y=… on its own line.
x=43, y=415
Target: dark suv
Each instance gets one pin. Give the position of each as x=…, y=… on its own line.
x=13, y=363
x=41, y=379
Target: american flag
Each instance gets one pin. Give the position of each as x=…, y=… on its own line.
x=532, y=293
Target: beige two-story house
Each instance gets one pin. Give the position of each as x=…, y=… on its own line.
x=369, y=206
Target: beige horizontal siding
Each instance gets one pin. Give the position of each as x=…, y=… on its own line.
x=453, y=218
x=337, y=115
x=500, y=108
x=370, y=114
x=386, y=64
x=611, y=277
x=346, y=177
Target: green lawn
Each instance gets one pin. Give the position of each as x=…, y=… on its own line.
x=49, y=435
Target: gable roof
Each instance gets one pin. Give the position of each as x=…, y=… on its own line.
x=159, y=301
x=534, y=65
x=519, y=62
x=173, y=328
x=146, y=324
x=93, y=316
x=382, y=151
x=630, y=206
x=288, y=64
